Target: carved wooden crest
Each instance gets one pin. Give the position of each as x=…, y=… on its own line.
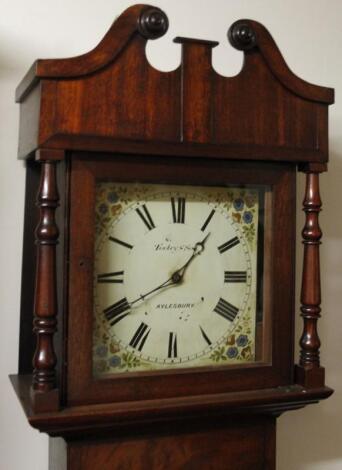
x=112, y=96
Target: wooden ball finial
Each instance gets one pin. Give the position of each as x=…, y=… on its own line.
x=241, y=36
x=153, y=23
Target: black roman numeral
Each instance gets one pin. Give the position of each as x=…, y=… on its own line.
x=226, y=310
x=140, y=337
x=228, y=245
x=235, y=276
x=205, y=336
x=208, y=219
x=145, y=216
x=120, y=242
x=117, y=311
x=172, y=350
x=115, y=278
x=178, y=211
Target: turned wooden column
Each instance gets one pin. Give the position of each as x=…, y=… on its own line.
x=44, y=391
x=309, y=371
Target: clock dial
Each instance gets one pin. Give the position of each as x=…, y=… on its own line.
x=174, y=276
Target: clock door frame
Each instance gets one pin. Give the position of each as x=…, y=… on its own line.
x=85, y=170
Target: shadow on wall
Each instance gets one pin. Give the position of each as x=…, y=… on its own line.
x=310, y=439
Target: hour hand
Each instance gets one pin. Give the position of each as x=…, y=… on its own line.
x=200, y=245
x=197, y=250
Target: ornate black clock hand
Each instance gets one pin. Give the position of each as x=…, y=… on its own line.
x=168, y=282
x=197, y=250
x=178, y=275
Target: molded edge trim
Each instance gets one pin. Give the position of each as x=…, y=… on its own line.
x=247, y=35
x=203, y=42
x=275, y=400
x=149, y=21
x=112, y=415
x=227, y=151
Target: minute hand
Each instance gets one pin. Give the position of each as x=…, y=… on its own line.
x=167, y=283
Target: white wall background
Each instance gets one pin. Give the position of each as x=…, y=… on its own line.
x=309, y=35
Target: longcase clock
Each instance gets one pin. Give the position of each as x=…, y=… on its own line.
x=158, y=329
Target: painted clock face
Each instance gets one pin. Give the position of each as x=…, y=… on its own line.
x=174, y=276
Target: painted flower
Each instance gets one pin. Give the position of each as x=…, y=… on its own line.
x=249, y=232
x=238, y=204
x=101, y=351
x=218, y=355
x=112, y=197
x=231, y=340
x=237, y=217
x=242, y=340
x=232, y=352
x=129, y=360
x=247, y=217
x=115, y=361
x=114, y=347
x=116, y=209
x=250, y=199
x=103, y=208
x=246, y=353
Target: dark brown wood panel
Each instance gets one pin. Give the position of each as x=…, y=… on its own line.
x=115, y=103
x=241, y=445
x=246, y=111
x=197, y=90
x=30, y=122
x=283, y=273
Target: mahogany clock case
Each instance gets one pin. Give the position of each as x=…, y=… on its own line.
x=109, y=116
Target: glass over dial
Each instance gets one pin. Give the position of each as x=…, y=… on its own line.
x=174, y=277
